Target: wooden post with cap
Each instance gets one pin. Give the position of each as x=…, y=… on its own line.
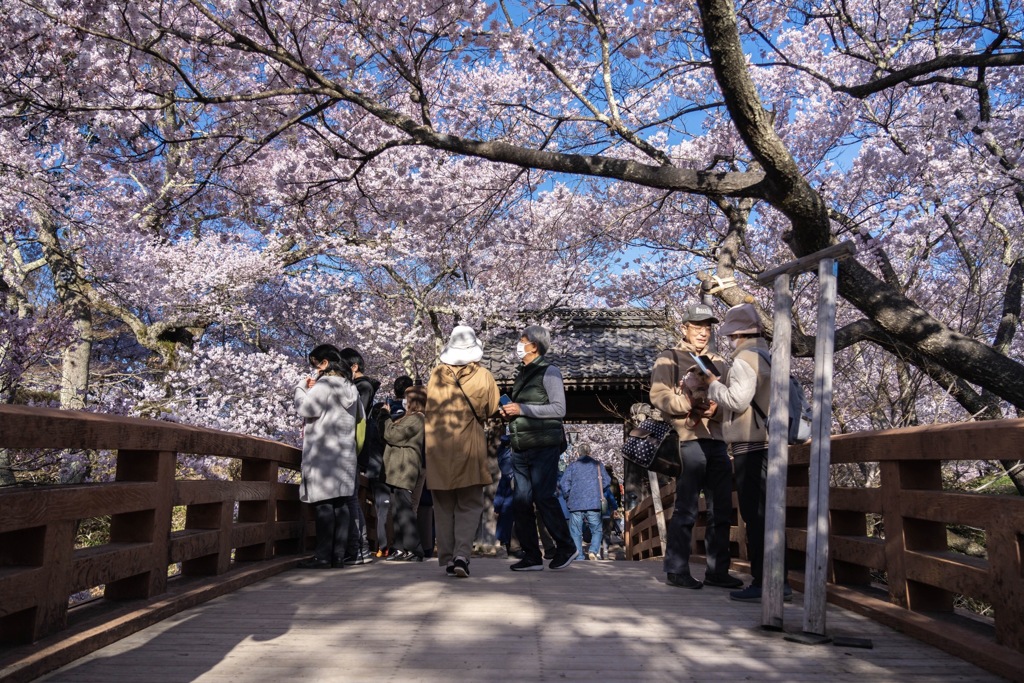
x=778, y=450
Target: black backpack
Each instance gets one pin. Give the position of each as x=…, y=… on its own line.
x=371, y=455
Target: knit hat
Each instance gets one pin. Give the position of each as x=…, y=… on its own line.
x=740, y=319
x=462, y=348
x=699, y=312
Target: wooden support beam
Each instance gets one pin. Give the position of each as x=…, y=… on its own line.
x=778, y=455
x=659, y=510
x=809, y=262
x=817, y=512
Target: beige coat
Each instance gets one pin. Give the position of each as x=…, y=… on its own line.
x=673, y=402
x=749, y=379
x=456, y=445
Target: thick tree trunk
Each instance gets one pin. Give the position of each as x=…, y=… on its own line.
x=788, y=191
x=74, y=376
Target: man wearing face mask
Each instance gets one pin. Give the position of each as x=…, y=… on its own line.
x=704, y=456
x=537, y=439
x=745, y=385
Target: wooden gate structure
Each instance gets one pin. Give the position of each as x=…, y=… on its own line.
x=778, y=426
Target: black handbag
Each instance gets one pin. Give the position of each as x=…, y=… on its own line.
x=654, y=446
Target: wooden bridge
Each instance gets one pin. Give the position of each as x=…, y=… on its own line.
x=236, y=611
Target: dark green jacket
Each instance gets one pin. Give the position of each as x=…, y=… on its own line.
x=529, y=432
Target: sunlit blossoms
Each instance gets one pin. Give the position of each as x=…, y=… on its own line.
x=192, y=195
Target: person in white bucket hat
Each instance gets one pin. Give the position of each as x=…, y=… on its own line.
x=461, y=395
x=462, y=348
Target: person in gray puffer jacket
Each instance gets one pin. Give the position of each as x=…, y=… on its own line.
x=329, y=409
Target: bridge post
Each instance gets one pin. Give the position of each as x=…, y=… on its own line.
x=816, y=570
x=778, y=458
x=49, y=550
x=262, y=511
x=151, y=526
x=778, y=452
x=659, y=510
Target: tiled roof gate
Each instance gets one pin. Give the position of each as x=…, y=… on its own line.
x=605, y=355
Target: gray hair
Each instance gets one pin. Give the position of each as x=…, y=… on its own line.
x=539, y=336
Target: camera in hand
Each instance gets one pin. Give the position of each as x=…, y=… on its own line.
x=396, y=407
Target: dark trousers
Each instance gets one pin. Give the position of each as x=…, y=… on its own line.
x=536, y=475
x=751, y=480
x=407, y=536
x=706, y=468
x=356, y=528
x=332, y=520
x=382, y=506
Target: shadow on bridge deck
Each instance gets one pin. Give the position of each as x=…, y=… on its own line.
x=607, y=621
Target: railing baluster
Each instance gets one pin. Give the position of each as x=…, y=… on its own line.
x=54, y=577
x=264, y=511
x=152, y=526
x=1006, y=568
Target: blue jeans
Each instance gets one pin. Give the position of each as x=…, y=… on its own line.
x=593, y=520
x=536, y=474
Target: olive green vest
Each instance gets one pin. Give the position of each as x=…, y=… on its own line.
x=530, y=432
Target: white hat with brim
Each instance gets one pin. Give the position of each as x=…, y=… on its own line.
x=463, y=347
x=740, y=319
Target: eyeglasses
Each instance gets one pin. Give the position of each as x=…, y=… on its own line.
x=698, y=328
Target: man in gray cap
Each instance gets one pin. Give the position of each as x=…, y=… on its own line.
x=705, y=460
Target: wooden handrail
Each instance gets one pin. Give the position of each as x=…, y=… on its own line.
x=252, y=518
x=922, y=575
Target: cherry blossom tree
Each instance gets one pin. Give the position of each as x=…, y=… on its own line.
x=381, y=167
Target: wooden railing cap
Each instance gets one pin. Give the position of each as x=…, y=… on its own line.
x=32, y=427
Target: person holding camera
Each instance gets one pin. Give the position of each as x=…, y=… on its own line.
x=706, y=465
x=328, y=407
x=747, y=384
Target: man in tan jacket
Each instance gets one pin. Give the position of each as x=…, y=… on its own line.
x=706, y=465
x=741, y=394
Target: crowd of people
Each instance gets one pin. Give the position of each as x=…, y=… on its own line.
x=425, y=452
x=425, y=455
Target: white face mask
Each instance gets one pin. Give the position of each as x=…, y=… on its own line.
x=520, y=350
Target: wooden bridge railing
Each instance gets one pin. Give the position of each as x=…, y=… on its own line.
x=252, y=518
x=907, y=576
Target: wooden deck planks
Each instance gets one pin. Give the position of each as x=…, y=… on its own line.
x=609, y=621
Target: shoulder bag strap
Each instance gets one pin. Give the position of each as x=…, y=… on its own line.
x=675, y=368
x=466, y=396
x=753, y=404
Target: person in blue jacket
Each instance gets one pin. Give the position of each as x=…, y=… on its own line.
x=503, y=496
x=584, y=485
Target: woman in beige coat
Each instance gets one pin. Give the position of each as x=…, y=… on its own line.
x=461, y=395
